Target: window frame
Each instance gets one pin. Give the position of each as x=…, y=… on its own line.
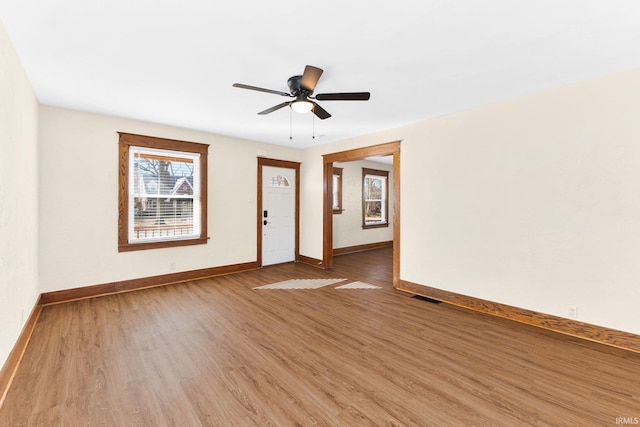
x=128, y=140
x=337, y=172
x=385, y=200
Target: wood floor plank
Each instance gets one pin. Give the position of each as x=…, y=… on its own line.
x=217, y=352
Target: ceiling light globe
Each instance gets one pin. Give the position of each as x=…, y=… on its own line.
x=302, y=106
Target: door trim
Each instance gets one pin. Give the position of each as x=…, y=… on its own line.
x=263, y=161
x=389, y=148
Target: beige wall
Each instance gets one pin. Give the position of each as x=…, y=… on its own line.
x=347, y=226
x=532, y=202
x=18, y=197
x=79, y=201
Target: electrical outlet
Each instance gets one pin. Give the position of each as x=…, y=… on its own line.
x=573, y=311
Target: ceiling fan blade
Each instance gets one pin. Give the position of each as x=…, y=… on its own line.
x=261, y=89
x=272, y=109
x=346, y=96
x=310, y=77
x=320, y=112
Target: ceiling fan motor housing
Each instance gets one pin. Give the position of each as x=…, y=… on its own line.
x=296, y=89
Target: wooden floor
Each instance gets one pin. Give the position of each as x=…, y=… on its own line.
x=217, y=352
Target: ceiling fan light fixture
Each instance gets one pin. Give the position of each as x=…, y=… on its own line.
x=302, y=106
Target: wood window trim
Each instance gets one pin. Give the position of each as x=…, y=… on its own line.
x=338, y=171
x=385, y=174
x=127, y=140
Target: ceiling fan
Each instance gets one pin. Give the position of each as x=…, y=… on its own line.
x=301, y=90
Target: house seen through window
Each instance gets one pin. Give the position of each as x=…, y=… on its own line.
x=164, y=191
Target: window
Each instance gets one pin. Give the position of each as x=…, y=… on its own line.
x=375, y=190
x=337, y=190
x=278, y=181
x=162, y=193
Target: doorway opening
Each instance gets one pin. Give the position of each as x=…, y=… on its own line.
x=388, y=149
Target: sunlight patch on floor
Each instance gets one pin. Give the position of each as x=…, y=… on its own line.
x=358, y=285
x=301, y=284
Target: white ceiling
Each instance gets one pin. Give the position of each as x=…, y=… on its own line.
x=174, y=61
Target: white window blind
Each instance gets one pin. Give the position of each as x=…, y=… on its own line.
x=164, y=195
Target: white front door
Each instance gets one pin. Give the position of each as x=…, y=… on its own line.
x=278, y=215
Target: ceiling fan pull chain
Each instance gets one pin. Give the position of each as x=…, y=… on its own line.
x=313, y=123
x=290, y=124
